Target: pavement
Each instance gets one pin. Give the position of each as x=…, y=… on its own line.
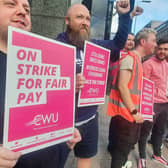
x=103, y=158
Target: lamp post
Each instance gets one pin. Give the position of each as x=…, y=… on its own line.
x=143, y=1
x=108, y=19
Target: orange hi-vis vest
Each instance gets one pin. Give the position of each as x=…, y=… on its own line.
x=114, y=66
x=116, y=106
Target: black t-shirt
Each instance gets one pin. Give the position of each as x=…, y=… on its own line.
x=3, y=61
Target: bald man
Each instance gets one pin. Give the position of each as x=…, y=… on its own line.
x=78, y=30
x=16, y=13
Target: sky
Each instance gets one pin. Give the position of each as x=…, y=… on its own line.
x=156, y=10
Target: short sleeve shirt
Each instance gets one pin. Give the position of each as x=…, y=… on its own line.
x=127, y=62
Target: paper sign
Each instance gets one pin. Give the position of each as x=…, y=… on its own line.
x=39, y=103
x=147, y=96
x=95, y=71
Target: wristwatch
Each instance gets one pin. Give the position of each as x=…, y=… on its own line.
x=133, y=112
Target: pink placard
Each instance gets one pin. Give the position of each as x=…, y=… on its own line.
x=39, y=104
x=95, y=71
x=147, y=96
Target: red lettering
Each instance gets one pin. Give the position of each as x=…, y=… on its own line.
x=47, y=71
x=21, y=97
x=48, y=82
x=41, y=70
x=20, y=68
x=29, y=83
x=54, y=83
x=31, y=56
x=20, y=82
x=21, y=54
x=64, y=82
x=30, y=98
x=35, y=70
x=53, y=72
x=38, y=96
x=38, y=83
x=28, y=66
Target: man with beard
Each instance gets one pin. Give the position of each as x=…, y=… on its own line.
x=156, y=69
x=16, y=13
x=78, y=30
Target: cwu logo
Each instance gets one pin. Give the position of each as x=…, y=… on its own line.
x=44, y=119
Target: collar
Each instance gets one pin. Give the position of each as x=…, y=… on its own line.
x=157, y=60
x=137, y=53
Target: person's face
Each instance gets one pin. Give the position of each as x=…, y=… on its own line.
x=162, y=51
x=79, y=20
x=150, y=44
x=14, y=13
x=129, y=45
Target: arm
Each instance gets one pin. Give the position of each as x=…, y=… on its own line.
x=77, y=138
x=8, y=158
x=125, y=24
x=136, y=11
x=123, y=80
x=80, y=81
x=120, y=38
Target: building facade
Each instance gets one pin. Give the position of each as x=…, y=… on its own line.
x=160, y=27
x=162, y=30
x=48, y=16
x=153, y=24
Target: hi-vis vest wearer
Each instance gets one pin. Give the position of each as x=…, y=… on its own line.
x=116, y=105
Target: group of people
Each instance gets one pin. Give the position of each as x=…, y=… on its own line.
x=127, y=126
x=126, y=123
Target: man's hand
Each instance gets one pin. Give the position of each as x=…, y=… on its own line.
x=8, y=158
x=137, y=11
x=80, y=80
x=77, y=138
x=123, y=6
x=138, y=118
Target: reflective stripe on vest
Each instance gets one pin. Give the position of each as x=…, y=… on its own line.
x=115, y=67
x=114, y=72
x=116, y=105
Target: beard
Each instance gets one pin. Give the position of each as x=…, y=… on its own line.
x=77, y=38
x=160, y=58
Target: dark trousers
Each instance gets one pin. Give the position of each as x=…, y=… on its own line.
x=51, y=157
x=145, y=131
x=159, y=126
x=126, y=136
x=111, y=137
